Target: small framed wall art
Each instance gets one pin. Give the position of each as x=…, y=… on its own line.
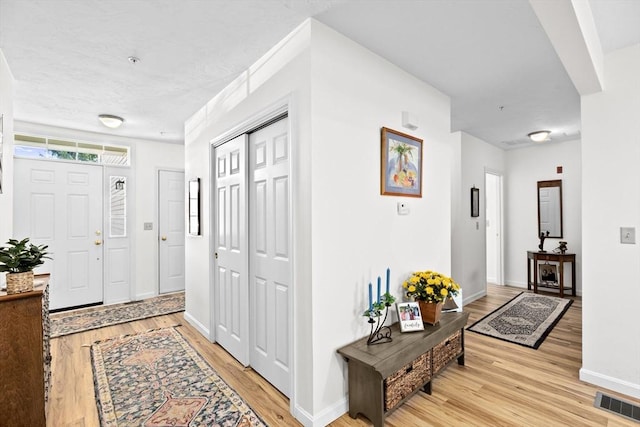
x=475, y=202
x=401, y=164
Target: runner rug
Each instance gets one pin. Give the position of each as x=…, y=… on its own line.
x=84, y=319
x=156, y=378
x=526, y=320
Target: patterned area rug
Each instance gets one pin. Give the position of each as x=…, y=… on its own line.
x=71, y=322
x=526, y=320
x=156, y=378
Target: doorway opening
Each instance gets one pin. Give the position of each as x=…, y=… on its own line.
x=493, y=215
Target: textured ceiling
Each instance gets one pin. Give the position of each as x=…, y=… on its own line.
x=69, y=57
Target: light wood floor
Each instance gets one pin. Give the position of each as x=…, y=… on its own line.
x=501, y=384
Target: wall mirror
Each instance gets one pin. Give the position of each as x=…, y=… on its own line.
x=550, y=208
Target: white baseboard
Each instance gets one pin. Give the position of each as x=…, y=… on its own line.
x=471, y=298
x=325, y=417
x=146, y=295
x=615, y=384
x=199, y=326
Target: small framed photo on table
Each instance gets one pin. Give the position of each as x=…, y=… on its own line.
x=409, y=316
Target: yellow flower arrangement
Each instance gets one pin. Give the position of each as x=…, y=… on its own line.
x=430, y=286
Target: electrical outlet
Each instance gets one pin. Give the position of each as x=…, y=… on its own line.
x=628, y=235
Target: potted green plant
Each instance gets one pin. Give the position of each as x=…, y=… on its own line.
x=18, y=259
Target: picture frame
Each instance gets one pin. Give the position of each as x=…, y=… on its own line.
x=409, y=316
x=475, y=202
x=548, y=274
x=194, y=207
x=400, y=164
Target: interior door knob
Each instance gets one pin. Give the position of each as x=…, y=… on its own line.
x=98, y=242
x=164, y=238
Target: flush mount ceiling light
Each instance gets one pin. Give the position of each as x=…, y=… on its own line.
x=539, y=135
x=110, y=121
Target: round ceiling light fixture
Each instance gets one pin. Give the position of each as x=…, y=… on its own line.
x=539, y=135
x=110, y=120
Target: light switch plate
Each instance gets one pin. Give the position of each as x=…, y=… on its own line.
x=148, y=226
x=628, y=235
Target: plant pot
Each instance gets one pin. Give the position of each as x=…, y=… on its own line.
x=19, y=282
x=430, y=312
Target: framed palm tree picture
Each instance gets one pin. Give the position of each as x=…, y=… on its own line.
x=401, y=164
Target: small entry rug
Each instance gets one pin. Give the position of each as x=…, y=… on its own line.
x=526, y=320
x=156, y=378
x=84, y=319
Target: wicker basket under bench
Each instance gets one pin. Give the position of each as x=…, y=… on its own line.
x=383, y=376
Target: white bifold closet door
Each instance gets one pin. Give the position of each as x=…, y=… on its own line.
x=252, y=280
x=269, y=242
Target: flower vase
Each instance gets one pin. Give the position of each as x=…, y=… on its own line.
x=430, y=312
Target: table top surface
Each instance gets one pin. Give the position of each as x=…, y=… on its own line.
x=406, y=346
x=566, y=254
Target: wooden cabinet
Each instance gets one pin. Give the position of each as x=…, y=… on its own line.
x=383, y=376
x=25, y=358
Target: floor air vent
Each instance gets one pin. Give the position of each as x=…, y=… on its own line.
x=617, y=406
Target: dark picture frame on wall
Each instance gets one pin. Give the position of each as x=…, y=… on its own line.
x=400, y=164
x=475, y=202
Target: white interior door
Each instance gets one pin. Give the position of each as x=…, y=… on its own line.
x=231, y=295
x=270, y=280
x=493, y=214
x=171, y=220
x=60, y=205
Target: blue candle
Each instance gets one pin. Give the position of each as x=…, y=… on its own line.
x=388, y=274
x=378, y=288
x=370, y=298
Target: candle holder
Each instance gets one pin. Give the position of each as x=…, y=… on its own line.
x=379, y=333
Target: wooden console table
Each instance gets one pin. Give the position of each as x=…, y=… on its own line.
x=383, y=376
x=561, y=259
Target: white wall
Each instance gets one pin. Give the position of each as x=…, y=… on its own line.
x=6, y=198
x=525, y=167
x=148, y=158
x=470, y=236
x=282, y=76
x=346, y=233
x=610, y=200
x=356, y=232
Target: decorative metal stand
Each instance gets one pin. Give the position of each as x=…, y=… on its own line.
x=379, y=333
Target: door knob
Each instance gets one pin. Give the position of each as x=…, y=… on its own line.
x=98, y=232
x=164, y=237
x=98, y=242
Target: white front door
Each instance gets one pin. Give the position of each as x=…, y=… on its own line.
x=270, y=281
x=231, y=296
x=60, y=205
x=171, y=220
